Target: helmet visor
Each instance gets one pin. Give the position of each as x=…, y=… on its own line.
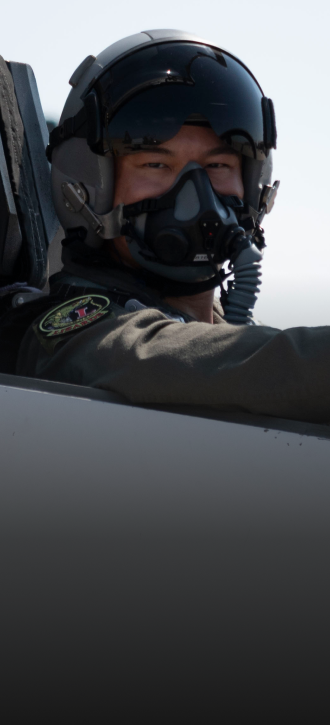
x=147, y=97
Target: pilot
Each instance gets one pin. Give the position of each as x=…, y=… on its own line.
x=161, y=176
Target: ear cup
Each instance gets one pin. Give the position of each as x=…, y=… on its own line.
x=74, y=162
x=256, y=174
x=171, y=246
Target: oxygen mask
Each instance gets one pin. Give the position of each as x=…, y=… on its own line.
x=187, y=233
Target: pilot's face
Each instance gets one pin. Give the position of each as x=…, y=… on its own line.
x=151, y=173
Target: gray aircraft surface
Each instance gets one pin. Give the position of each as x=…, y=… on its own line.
x=158, y=565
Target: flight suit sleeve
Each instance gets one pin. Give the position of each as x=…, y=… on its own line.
x=150, y=359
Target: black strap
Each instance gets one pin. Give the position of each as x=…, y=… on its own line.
x=65, y=130
x=147, y=205
x=270, y=133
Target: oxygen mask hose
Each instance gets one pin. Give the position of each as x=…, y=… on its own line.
x=244, y=288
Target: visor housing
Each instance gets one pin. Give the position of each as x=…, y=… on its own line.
x=145, y=98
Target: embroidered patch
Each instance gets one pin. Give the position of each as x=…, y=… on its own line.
x=74, y=315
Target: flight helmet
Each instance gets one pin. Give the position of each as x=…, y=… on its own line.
x=137, y=94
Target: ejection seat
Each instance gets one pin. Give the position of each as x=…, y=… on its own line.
x=28, y=222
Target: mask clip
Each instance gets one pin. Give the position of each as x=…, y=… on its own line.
x=267, y=201
x=107, y=226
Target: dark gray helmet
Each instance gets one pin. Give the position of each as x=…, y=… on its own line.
x=137, y=93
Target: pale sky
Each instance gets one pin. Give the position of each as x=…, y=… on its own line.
x=286, y=45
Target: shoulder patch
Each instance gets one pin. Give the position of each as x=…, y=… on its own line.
x=74, y=314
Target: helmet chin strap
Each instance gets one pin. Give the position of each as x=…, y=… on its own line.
x=172, y=288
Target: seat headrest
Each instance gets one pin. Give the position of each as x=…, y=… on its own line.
x=28, y=221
